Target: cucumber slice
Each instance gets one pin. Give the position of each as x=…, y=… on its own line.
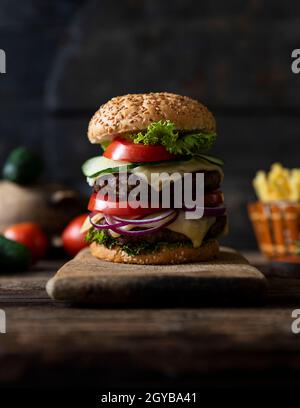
x=100, y=165
x=113, y=170
x=212, y=159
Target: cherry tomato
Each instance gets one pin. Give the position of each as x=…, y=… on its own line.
x=30, y=235
x=122, y=149
x=73, y=239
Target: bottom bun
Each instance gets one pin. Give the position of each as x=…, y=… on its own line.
x=166, y=255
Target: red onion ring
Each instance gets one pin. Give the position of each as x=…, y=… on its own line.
x=140, y=232
x=158, y=218
x=115, y=223
x=103, y=226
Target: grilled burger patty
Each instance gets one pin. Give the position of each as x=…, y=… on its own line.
x=212, y=180
x=165, y=235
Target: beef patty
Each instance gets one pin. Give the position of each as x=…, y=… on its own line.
x=165, y=235
x=212, y=180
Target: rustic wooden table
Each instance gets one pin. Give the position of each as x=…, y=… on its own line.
x=48, y=343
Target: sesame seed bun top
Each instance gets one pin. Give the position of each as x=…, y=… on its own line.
x=134, y=112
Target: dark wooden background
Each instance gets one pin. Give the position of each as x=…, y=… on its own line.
x=66, y=57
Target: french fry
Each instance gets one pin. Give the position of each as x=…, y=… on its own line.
x=278, y=181
x=295, y=185
x=260, y=185
x=279, y=184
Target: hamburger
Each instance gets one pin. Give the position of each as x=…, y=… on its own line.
x=142, y=136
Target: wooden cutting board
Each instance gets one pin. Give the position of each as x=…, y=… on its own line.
x=229, y=279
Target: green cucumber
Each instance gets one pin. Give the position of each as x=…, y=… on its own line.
x=22, y=166
x=113, y=170
x=212, y=159
x=100, y=165
x=13, y=256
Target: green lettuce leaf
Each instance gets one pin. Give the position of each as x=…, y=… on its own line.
x=165, y=133
x=132, y=248
x=100, y=237
x=104, y=146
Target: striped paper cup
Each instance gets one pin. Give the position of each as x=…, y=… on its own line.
x=276, y=227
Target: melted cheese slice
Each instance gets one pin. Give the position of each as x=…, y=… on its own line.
x=154, y=174
x=195, y=230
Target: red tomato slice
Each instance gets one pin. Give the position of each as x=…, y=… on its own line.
x=122, y=149
x=213, y=199
x=98, y=203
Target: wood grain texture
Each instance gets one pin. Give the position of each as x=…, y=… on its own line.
x=52, y=345
x=228, y=279
x=48, y=344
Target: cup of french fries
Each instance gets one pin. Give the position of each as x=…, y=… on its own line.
x=276, y=215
